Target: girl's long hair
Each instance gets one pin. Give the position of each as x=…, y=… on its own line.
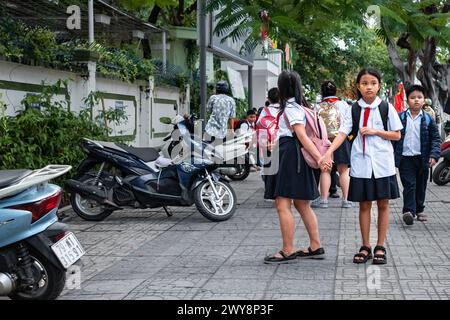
x=290, y=86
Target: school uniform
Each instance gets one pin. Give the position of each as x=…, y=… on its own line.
x=342, y=154
x=293, y=179
x=372, y=173
x=419, y=142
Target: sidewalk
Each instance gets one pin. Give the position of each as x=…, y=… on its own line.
x=146, y=255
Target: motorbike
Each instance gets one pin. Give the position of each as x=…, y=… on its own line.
x=237, y=171
x=441, y=174
x=116, y=176
x=35, y=249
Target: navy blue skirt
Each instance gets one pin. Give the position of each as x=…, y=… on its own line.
x=294, y=178
x=342, y=154
x=373, y=189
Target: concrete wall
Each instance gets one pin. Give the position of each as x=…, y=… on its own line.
x=142, y=105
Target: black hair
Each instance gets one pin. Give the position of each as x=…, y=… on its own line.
x=222, y=87
x=274, y=95
x=267, y=103
x=413, y=88
x=364, y=72
x=251, y=112
x=290, y=86
x=328, y=88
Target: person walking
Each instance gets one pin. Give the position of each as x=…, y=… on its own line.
x=418, y=150
x=222, y=108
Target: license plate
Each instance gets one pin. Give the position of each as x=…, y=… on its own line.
x=68, y=250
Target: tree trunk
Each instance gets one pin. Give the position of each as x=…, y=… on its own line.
x=434, y=76
x=153, y=18
x=403, y=69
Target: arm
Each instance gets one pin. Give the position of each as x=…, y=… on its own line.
x=435, y=139
x=387, y=135
x=326, y=160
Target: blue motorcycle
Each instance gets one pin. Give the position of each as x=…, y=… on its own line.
x=35, y=249
x=115, y=176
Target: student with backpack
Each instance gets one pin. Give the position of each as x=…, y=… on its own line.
x=294, y=181
x=417, y=151
x=372, y=124
x=246, y=125
x=333, y=111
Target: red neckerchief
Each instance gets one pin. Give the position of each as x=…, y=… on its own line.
x=331, y=100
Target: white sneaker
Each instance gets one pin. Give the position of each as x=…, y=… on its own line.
x=319, y=203
x=347, y=204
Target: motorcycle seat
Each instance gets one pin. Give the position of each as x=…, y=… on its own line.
x=9, y=177
x=146, y=154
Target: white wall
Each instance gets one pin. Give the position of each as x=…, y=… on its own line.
x=143, y=107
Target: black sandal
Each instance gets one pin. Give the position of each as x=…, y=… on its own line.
x=316, y=254
x=277, y=260
x=379, y=258
x=362, y=255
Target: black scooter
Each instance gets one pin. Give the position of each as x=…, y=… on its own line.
x=115, y=176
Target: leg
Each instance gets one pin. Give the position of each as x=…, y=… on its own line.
x=421, y=187
x=310, y=220
x=383, y=220
x=325, y=182
x=287, y=223
x=408, y=173
x=344, y=179
x=364, y=224
x=383, y=223
x=333, y=186
x=364, y=221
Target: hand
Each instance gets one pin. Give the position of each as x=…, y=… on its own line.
x=432, y=162
x=369, y=132
x=326, y=163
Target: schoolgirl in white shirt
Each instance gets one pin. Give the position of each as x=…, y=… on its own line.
x=372, y=174
x=294, y=181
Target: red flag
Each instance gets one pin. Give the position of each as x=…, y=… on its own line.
x=399, y=103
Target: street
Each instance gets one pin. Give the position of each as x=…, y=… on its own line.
x=143, y=254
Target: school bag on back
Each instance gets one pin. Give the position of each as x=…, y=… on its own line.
x=317, y=133
x=331, y=117
x=267, y=129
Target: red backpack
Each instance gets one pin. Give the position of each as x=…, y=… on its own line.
x=267, y=129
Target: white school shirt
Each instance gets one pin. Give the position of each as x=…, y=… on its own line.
x=379, y=155
x=294, y=114
x=411, y=144
x=293, y=111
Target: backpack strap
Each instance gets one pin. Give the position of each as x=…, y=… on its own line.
x=356, y=115
x=384, y=111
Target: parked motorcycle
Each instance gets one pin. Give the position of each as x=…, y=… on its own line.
x=441, y=174
x=35, y=249
x=237, y=171
x=115, y=176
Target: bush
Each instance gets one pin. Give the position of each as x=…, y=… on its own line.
x=51, y=135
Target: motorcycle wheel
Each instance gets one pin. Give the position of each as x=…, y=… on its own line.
x=242, y=174
x=440, y=173
x=51, y=280
x=211, y=207
x=87, y=209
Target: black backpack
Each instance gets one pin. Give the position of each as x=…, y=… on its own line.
x=239, y=123
x=356, y=115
